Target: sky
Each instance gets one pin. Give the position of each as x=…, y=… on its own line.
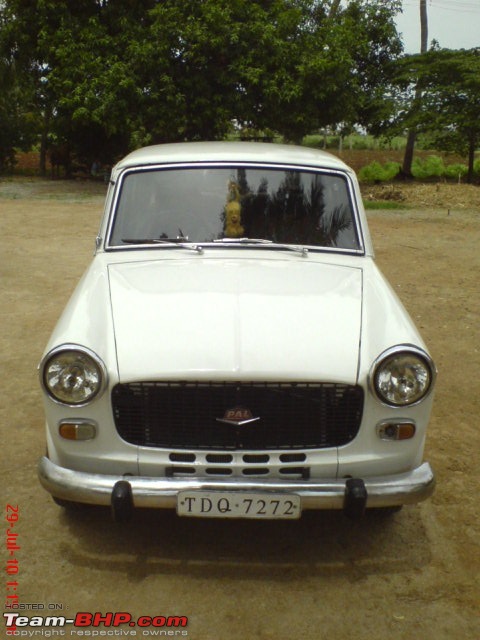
x=454, y=23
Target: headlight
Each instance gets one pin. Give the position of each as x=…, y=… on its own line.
x=402, y=376
x=73, y=375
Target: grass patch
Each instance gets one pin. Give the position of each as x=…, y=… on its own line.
x=383, y=204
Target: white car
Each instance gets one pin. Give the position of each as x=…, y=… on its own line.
x=233, y=351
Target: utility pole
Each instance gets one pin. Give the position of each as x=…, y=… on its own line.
x=412, y=134
x=423, y=26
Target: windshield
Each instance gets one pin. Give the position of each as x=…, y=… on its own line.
x=214, y=204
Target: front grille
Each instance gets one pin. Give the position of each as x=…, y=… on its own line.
x=176, y=415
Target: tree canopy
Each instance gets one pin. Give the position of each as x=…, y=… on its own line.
x=104, y=77
x=109, y=76
x=450, y=101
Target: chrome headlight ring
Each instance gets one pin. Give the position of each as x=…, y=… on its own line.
x=402, y=376
x=72, y=375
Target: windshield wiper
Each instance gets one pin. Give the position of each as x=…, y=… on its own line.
x=244, y=240
x=262, y=241
x=182, y=242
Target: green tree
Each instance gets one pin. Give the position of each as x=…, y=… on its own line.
x=450, y=105
x=17, y=112
x=108, y=76
x=72, y=56
x=286, y=65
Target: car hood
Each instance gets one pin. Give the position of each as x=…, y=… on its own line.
x=217, y=319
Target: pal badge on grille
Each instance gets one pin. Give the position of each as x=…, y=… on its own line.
x=238, y=416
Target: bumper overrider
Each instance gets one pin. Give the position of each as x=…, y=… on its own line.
x=124, y=493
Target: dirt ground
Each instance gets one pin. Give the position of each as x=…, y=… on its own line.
x=414, y=576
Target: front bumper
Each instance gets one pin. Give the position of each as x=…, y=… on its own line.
x=91, y=488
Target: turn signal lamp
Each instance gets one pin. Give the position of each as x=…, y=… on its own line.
x=77, y=430
x=399, y=430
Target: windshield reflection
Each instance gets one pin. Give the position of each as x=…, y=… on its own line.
x=207, y=204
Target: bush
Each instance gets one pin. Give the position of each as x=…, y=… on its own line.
x=361, y=143
x=430, y=167
x=455, y=171
x=434, y=167
x=376, y=172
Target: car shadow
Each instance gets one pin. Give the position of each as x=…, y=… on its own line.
x=320, y=543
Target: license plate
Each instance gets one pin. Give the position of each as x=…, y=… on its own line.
x=219, y=504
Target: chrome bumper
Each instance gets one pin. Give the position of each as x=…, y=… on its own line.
x=92, y=488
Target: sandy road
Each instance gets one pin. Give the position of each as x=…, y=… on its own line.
x=414, y=576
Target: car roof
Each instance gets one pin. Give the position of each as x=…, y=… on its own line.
x=262, y=152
